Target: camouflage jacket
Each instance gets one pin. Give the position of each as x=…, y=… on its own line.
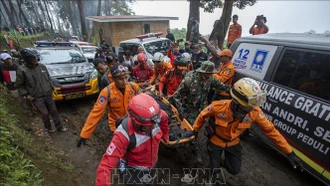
x=191, y=95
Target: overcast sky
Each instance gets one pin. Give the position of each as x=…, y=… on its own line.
x=282, y=16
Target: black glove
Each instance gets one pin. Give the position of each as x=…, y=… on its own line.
x=81, y=141
x=295, y=161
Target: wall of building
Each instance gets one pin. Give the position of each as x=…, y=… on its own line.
x=128, y=30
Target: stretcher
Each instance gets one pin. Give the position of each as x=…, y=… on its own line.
x=183, y=124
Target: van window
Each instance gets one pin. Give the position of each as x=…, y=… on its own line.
x=308, y=72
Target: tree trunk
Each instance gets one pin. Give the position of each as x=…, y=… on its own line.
x=11, y=19
x=36, y=12
x=82, y=19
x=4, y=18
x=49, y=19
x=51, y=15
x=193, y=13
x=99, y=8
x=21, y=13
x=43, y=13
x=221, y=26
x=14, y=12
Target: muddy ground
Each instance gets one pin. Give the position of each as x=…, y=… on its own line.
x=261, y=165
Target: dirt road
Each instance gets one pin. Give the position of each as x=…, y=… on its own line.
x=261, y=165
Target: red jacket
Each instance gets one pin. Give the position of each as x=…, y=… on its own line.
x=144, y=156
x=142, y=75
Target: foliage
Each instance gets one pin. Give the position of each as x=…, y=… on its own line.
x=15, y=168
x=210, y=5
x=241, y=4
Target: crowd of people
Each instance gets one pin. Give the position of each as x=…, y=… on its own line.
x=199, y=84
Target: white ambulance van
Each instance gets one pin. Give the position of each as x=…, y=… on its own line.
x=294, y=69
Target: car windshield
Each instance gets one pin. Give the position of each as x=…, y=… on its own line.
x=157, y=46
x=61, y=56
x=151, y=48
x=86, y=50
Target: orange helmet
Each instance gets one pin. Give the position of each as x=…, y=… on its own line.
x=144, y=110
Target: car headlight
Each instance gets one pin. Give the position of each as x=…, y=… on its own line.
x=93, y=75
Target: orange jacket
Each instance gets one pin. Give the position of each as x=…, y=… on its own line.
x=257, y=31
x=171, y=81
x=226, y=75
x=235, y=31
x=231, y=129
x=165, y=66
x=117, y=107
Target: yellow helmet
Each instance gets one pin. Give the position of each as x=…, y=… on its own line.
x=248, y=93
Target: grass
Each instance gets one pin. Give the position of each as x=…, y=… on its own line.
x=27, y=156
x=21, y=42
x=15, y=168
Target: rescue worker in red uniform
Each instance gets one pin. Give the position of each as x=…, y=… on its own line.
x=116, y=97
x=235, y=31
x=226, y=73
x=230, y=118
x=142, y=72
x=160, y=66
x=149, y=124
x=172, y=78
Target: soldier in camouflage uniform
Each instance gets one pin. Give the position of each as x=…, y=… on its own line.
x=191, y=96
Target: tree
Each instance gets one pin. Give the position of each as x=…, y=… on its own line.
x=221, y=26
x=49, y=19
x=21, y=12
x=207, y=5
x=10, y=17
x=82, y=19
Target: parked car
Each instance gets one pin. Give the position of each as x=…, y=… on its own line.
x=294, y=69
x=151, y=44
x=72, y=75
x=88, y=51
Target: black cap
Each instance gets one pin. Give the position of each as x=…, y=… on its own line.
x=235, y=16
x=118, y=70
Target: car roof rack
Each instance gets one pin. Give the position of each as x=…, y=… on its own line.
x=53, y=44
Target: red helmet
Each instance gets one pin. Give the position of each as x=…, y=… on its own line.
x=144, y=110
x=141, y=57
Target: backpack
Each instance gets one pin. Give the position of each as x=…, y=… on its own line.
x=131, y=138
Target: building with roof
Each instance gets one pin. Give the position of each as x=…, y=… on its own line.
x=118, y=28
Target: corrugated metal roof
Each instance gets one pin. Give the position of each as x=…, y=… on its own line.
x=129, y=18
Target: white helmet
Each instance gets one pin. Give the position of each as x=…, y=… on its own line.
x=158, y=57
x=186, y=56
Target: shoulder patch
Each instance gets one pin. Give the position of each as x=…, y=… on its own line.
x=102, y=100
x=261, y=115
x=112, y=147
x=222, y=116
x=227, y=71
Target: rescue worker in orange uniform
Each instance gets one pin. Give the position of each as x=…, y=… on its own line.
x=160, y=66
x=147, y=125
x=230, y=118
x=235, y=31
x=259, y=26
x=172, y=78
x=116, y=97
x=225, y=74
